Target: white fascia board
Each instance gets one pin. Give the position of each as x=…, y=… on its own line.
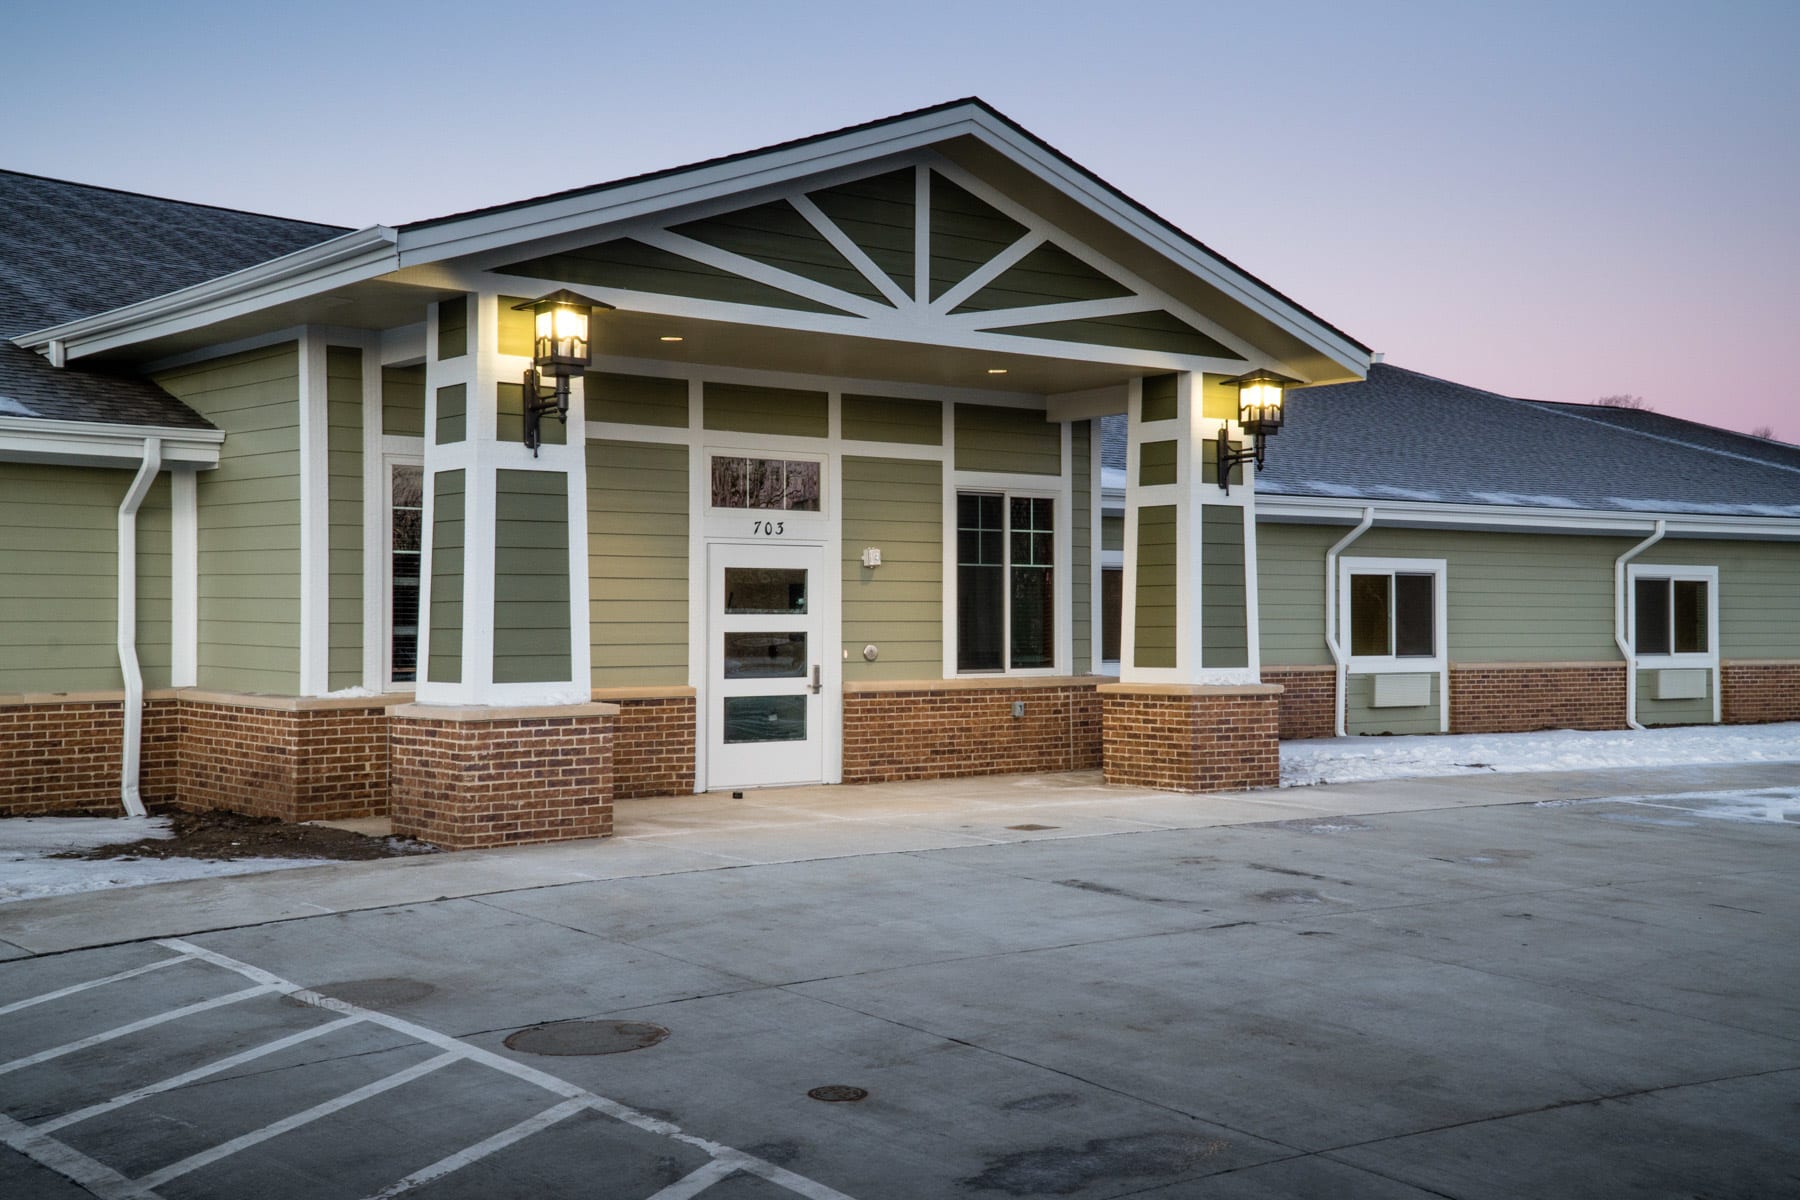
x=1401, y=514
x=95, y=444
x=346, y=259
x=458, y=237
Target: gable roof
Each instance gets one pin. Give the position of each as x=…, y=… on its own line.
x=1683, y=432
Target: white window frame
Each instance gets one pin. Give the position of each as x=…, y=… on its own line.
x=1381, y=664
x=390, y=460
x=1707, y=575
x=1058, y=563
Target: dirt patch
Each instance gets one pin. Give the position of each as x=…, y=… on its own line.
x=221, y=836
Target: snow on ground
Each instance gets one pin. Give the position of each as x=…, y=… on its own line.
x=1776, y=805
x=26, y=873
x=1348, y=760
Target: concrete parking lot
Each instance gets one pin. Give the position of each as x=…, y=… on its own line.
x=1553, y=985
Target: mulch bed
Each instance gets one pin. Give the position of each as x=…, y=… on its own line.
x=226, y=835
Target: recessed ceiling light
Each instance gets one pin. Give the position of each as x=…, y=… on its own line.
x=671, y=337
x=996, y=370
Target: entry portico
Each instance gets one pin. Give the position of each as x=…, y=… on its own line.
x=826, y=502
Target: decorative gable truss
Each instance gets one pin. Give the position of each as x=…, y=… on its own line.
x=924, y=253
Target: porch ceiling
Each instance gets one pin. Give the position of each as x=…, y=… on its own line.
x=639, y=335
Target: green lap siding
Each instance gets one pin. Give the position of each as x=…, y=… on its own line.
x=1156, y=463
x=1081, y=545
x=1112, y=533
x=344, y=415
x=403, y=401
x=1224, y=634
x=58, y=612
x=877, y=214
x=637, y=497
x=453, y=328
x=1157, y=598
x=452, y=413
x=897, y=506
x=1161, y=399
x=446, y=615
x=249, y=543
x=777, y=235
x=1651, y=711
x=1013, y=440
x=509, y=418
x=531, y=577
x=741, y=409
x=880, y=419
x=637, y=400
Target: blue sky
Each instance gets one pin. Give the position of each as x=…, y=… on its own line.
x=1557, y=200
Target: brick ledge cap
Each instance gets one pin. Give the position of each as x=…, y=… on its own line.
x=666, y=692
x=289, y=703
x=1191, y=689
x=478, y=712
x=974, y=683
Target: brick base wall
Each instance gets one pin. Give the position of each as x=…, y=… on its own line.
x=950, y=730
x=469, y=778
x=60, y=758
x=1760, y=691
x=653, y=747
x=1524, y=697
x=1179, y=738
x=295, y=763
x=1308, y=700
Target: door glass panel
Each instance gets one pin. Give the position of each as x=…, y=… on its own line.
x=765, y=655
x=761, y=590
x=765, y=719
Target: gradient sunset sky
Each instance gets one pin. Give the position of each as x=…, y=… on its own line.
x=1554, y=200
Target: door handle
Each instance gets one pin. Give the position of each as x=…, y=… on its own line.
x=816, y=685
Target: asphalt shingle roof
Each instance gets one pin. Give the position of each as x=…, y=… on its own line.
x=69, y=250
x=1401, y=435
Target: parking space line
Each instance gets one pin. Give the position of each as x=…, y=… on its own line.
x=244, y=1141
x=692, y=1185
x=72, y=989
x=173, y=1014
x=187, y=1077
x=483, y=1148
x=69, y=1162
x=780, y=1176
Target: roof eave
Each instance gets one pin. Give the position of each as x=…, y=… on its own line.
x=1421, y=514
x=359, y=255
x=104, y=444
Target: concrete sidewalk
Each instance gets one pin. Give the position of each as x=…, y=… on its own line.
x=671, y=835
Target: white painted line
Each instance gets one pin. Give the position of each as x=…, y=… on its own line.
x=483, y=1148
x=187, y=1077
x=173, y=1014
x=16, y=1005
x=69, y=1162
x=808, y=1188
x=244, y=1141
x=692, y=1185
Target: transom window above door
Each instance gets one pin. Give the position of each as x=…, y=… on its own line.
x=766, y=484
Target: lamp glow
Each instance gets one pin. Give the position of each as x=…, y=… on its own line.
x=559, y=353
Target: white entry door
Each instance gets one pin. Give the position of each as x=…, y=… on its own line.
x=765, y=718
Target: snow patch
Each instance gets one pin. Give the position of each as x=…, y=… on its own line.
x=15, y=408
x=1762, y=806
x=1354, y=759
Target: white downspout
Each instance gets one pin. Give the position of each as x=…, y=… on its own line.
x=1619, y=632
x=1332, y=641
x=128, y=659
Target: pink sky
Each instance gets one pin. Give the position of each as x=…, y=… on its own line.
x=1557, y=200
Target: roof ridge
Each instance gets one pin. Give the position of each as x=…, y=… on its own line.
x=101, y=187
x=1540, y=405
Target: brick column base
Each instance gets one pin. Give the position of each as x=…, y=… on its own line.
x=465, y=778
x=1192, y=737
x=1308, y=700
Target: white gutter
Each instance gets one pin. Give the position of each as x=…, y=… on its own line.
x=1332, y=641
x=128, y=659
x=1625, y=645
x=103, y=443
x=1420, y=514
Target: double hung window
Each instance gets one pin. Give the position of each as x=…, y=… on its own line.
x=1005, y=582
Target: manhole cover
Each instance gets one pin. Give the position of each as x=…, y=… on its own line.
x=368, y=993
x=586, y=1037
x=838, y=1093
x=1034, y=827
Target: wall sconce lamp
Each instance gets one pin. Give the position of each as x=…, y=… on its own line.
x=1260, y=396
x=559, y=354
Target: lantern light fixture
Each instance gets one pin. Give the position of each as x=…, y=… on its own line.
x=1261, y=394
x=559, y=353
